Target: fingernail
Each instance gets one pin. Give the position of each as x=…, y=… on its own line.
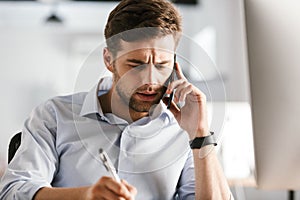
x=180, y=104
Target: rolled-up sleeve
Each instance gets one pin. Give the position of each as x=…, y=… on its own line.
x=36, y=160
x=186, y=186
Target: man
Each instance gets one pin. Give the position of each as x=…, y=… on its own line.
x=147, y=142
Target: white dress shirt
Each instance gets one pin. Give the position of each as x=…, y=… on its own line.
x=61, y=139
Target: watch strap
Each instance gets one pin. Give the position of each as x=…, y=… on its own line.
x=199, y=142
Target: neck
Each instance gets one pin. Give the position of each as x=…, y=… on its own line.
x=112, y=103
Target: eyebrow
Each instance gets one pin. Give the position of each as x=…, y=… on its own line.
x=142, y=62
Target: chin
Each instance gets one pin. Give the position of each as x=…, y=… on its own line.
x=142, y=106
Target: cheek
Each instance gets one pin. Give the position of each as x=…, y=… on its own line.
x=126, y=79
x=128, y=76
x=163, y=77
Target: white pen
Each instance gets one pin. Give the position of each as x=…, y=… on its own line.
x=108, y=165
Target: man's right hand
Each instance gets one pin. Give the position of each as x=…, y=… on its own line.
x=105, y=188
x=108, y=188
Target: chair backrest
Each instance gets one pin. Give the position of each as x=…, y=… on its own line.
x=14, y=144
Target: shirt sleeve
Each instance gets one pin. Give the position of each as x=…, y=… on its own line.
x=35, y=162
x=186, y=185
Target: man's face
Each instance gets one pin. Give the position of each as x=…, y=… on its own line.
x=141, y=70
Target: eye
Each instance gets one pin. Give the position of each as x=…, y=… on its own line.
x=164, y=67
x=159, y=66
x=138, y=67
x=133, y=66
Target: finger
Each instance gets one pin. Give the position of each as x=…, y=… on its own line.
x=110, y=195
x=129, y=187
x=173, y=85
x=118, y=188
x=99, y=191
x=183, y=90
x=178, y=71
x=173, y=107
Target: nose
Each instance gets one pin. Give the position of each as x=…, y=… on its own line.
x=150, y=75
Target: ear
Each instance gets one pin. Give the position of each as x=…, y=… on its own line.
x=108, y=59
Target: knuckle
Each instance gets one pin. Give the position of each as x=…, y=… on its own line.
x=133, y=190
x=104, y=179
x=119, y=189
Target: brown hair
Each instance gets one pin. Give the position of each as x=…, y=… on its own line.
x=134, y=20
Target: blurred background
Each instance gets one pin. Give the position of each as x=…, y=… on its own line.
x=45, y=44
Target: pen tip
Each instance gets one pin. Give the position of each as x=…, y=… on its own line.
x=100, y=150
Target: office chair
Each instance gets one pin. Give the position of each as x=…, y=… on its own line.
x=14, y=144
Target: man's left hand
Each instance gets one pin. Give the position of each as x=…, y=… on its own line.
x=192, y=116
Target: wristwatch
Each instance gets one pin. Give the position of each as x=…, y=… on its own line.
x=199, y=142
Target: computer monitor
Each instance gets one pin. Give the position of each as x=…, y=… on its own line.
x=273, y=40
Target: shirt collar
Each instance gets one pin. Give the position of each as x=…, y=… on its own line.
x=91, y=103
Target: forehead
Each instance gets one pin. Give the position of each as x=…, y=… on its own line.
x=158, y=46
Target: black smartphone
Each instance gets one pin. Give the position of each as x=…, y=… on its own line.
x=171, y=79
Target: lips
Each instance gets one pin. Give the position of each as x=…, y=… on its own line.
x=146, y=96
